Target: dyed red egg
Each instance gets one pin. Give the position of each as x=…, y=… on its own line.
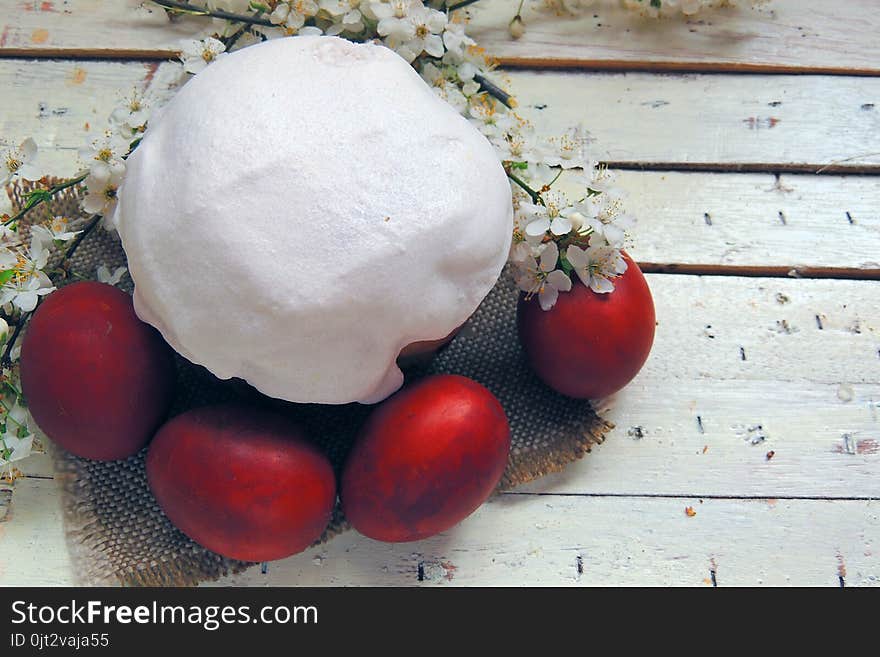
x=590, y=345
x=425, y=459
x=98, y=381
x=241, y=481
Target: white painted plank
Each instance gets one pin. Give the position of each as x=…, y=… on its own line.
x=636, y=117
x=58, y=102
x=754, y=219
x=32, y=547
x=5, y=500
x=718, y=119
x=812, y=34
x=784, y=34
x=41, y=27
x=536, y=541
x=519, y=540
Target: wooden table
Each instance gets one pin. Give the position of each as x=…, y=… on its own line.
x=749, y=143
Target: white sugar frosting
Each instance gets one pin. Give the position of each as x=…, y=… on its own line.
x=303, y=209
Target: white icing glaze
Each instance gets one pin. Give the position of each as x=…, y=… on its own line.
x=303, y=209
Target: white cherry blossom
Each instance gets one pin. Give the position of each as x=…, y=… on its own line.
x=24, y=293
x=542, y=278
x=133, y=114
x=54, y=232
x=101, y=196
x=596, y=265
x=441, y=81
x=104, y=274
x=345, y=14
x=196, y=55
x=418, y=31
x=570, y=150
x=19, y=161
x=103, y=155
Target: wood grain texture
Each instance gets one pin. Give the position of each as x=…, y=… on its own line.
x=5, y=500
x=60, y=102
x=785, y=36
x=815, y=124
x=791, y=222
x=538, y=540
x=110, y=28
x=738, y=121
x=32, y=547
x=551, y=540
x=759, y=405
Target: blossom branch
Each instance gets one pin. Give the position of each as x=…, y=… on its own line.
x=74, y=245
x=6, y=358
x=39, y=196
x=461, y=5
x=193, y=10
x=229, y=42
x=495, y=91
x=535, y=196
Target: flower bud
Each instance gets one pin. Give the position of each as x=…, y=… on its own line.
x=577, y=220
x=517, y=27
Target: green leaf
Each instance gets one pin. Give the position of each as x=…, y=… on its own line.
x=6, y=276
x=592, y=192
x=36, y=196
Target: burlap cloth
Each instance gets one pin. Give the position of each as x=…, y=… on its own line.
x=118, y=535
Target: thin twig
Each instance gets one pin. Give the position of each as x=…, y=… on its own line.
x=6, y=359
x=495, y=91
x=74, y=245
x=51, y=191
x=535, y=196
x=240, y=32
x=460, y=5
x=846, y=159
x=186, y=8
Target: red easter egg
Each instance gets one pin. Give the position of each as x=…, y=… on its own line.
x=97, y=380
x=425, y=459
x=241, y=481
x=590, y=345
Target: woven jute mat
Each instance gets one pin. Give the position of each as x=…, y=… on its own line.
x=118, y=535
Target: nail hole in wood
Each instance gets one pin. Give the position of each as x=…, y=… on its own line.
x=742, y=353
x=636, y=433
x=712, y=577
x=849, y=218
x=842, y=581
x=421, y=571
x=782, y=218
x=700, y=424
x=264, y=567
x=707, y=218
x=819, y=322
x=579, y=564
